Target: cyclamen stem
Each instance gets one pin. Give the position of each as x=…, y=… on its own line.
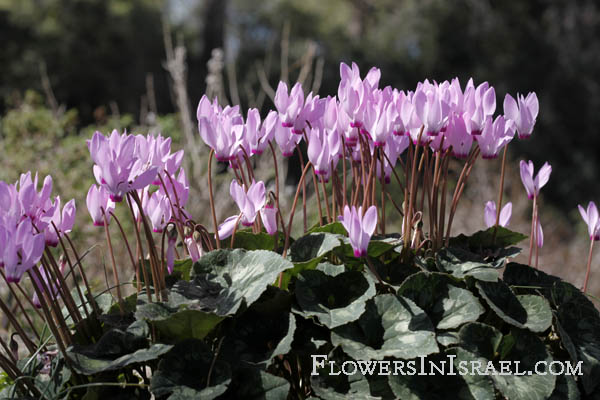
x=62, y=244
x=589, y=265
x=82, y=274
x=25, y=295
x=303, y=190
x=140, y=249
x=211, y=198
x=152, y=247
x=289, y=227
x=237, y=221
x=532, y=238
x=412, y=194
x=382, y=178
x=500, y=192
x=133, y=263
x=276, y=177
x=114, y=264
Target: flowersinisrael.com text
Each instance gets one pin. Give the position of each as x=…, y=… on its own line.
x=421, y=366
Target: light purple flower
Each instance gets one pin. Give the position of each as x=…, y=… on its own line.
x=98, y=199
x=268, y=215
x=590, y=216
x=158, y=210
x=194, y=246
x=480, y=105
x=524, y=114
x=250, y=203
x=494, y=137
x=490, y=214
x=118, y=167
x=533, y=186
x=22, y=250
x=64, y=221
x=178, y=193
x=458, y=137
x=428, y=107
x=289, y=105
x=539, y=235
x=360, y=228
x=322, y=147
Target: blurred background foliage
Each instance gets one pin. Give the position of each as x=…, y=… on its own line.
x=69, y=67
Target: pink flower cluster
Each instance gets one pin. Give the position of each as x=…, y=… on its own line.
x=449, y=117
x=126, y=163
x=29, y=221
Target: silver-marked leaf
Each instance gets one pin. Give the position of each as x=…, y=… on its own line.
x=524, y=311
x=447, y=305
x=391, y=326
x=334, y=296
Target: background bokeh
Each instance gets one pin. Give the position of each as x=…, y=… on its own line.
x=69, y=67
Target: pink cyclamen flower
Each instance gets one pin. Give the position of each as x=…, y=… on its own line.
x=22, y=250
x=193, y=243
x=63, y=220
x=490, y=214
x=539, y=235
x=533, y=186
x=289, y=105
x=118, y=167
x=360, y=228
x=524, y=114
x=158, y=210
x=494, y=136
x=590, y=216
x=97, y=200
x=319, y=152
x=250, y=203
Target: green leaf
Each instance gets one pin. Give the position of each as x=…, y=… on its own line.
x=255, y=340
x=183, y=373
x=528, y=350
x=393, y=272
x=254, y=241
x=485, y=239
x=308, y=251
x=449, y=384
x=313, y=246
x=476, y=387
x=224, y=279
x=391, y=326
x=447, y=339
x=254, y=384
x=332, y=383
x=447, y=305
x=333, y=296
x=90, y=366
x=524, y=311
x=334, y=227
x=566, y=388
x=480, y=339
x=523, y=275
x=461, y=263
x=578, y=323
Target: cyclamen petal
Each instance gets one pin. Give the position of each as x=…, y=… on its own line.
x=489, y=214
x=268, y=215
x=226, y=228
x=360, y=228
x=592, y=219
x=533, y=186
